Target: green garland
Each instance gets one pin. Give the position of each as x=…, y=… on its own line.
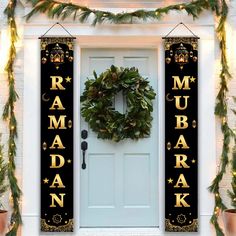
x=97, y=104
x=221, y=110
x=9, y=116
x=61, y=10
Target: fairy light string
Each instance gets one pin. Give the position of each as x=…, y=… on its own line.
x=9, y=116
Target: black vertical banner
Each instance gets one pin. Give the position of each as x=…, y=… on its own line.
x=181, y=134
x=57, y=134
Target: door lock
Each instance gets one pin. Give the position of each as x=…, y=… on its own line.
x=84, y=134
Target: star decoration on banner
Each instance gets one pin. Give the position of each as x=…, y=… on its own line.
x=192, y=79
x=193, y=161
x=170, y=181
x=46, y=180
x=69, y=161
x=68, y=79
x=181, y=218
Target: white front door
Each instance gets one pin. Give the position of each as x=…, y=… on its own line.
x=119, y=187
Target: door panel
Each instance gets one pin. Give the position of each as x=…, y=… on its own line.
x=100, y=182
x=99, y=64
x=139, y=62
x=119, y=187
x=136, y=185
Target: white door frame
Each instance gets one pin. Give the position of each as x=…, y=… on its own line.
x=139, y=36
x=160, y=138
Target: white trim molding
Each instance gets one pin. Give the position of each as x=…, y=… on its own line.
x=126, y=36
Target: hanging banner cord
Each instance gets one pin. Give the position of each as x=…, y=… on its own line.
x=181, y=23
x=57, y=23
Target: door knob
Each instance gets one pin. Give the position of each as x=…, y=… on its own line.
x=84, y=147
x=84, y=134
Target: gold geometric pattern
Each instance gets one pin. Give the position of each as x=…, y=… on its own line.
x=181, y=218
x=179, y=54
x=70, y=124
x=62, y=228
x=57, y=219
x=174, y=40
x=44, y=146
x=186, y=228
x=168, y=145
x=45, y=41
x=57, y=55
x=194, y=124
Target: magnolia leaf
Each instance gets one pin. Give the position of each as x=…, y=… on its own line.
x=95, y=74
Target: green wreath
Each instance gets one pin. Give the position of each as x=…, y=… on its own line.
x=97, y=104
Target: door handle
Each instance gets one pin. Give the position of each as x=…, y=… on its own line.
x=84, y=147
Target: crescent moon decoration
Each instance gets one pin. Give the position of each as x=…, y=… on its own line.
x=44, y=98
x=168, y=98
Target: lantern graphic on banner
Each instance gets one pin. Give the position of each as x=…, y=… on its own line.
x=57, y=55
